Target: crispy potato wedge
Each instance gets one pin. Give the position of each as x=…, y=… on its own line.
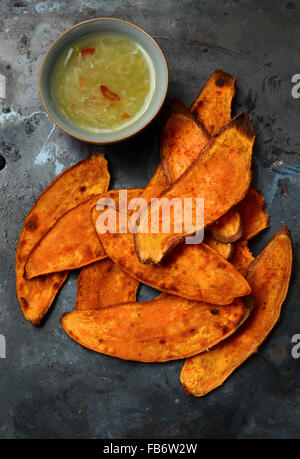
x=226, y=227
x=212, y=107
x=167, y=328
x=241, y=257
x=254, y=218
x=159, y=181
x=102, y=284
x=182, y=140
x=69, y=244
x=72, y=242
x=228, y=155
x=269, y=277
x=229, y=228
x=225, y=250
x=196, y=272
x=74, y=185
x=157, y=184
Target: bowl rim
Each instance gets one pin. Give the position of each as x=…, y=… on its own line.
x=120, y=139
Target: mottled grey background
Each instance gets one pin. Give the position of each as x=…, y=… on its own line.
x=47, y=378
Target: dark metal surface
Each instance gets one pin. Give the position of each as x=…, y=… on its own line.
x=49, y=386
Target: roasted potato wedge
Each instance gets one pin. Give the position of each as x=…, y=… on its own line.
x=229, y=228
x=72, y=242
x=225, y=250
x=76, y=184
x=163, y=329
x=196, y=272
x=241, y=257
x=227, y=155
x=182, y=140
x=269, y=277
x=103, y=284
x=254, y=218
x=212, y=107
x=157, y=184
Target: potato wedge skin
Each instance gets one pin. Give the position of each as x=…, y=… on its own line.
x=166, y=328
x=72, y=241
x=269, y=277
x=225, y=250
x=102, y=284
x=215, y=98
x=196, y=272
x=229, y=228
x=72, y=186
x=228, y=154
x=241, y=257
x=253, y=216
x=182, y=141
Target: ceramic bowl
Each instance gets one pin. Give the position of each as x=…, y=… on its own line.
x=106, y=25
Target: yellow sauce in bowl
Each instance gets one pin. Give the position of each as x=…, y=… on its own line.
x=103, y=82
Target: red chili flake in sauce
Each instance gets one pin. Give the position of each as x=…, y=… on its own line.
x=124, y=116
x=88, y=51
x=106, y=92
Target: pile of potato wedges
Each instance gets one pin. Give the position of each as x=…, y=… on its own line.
x=218, y=302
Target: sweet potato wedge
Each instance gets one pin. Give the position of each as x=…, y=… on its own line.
x=241, y=257
x=159, y=181
x=74, y=185
x=167, y=328
x=254, y=218
x=69, y=244
x=225, y=250
x=226, y=228
x=229, y=228
x=269, y=277
x=72, y=242
x=102, y=284
x=182, y=140
x=196, y=272
x=157, y=184
x=212, y=107
x=229, y=156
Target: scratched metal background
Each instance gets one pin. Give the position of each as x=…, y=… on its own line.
x=49, y=386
